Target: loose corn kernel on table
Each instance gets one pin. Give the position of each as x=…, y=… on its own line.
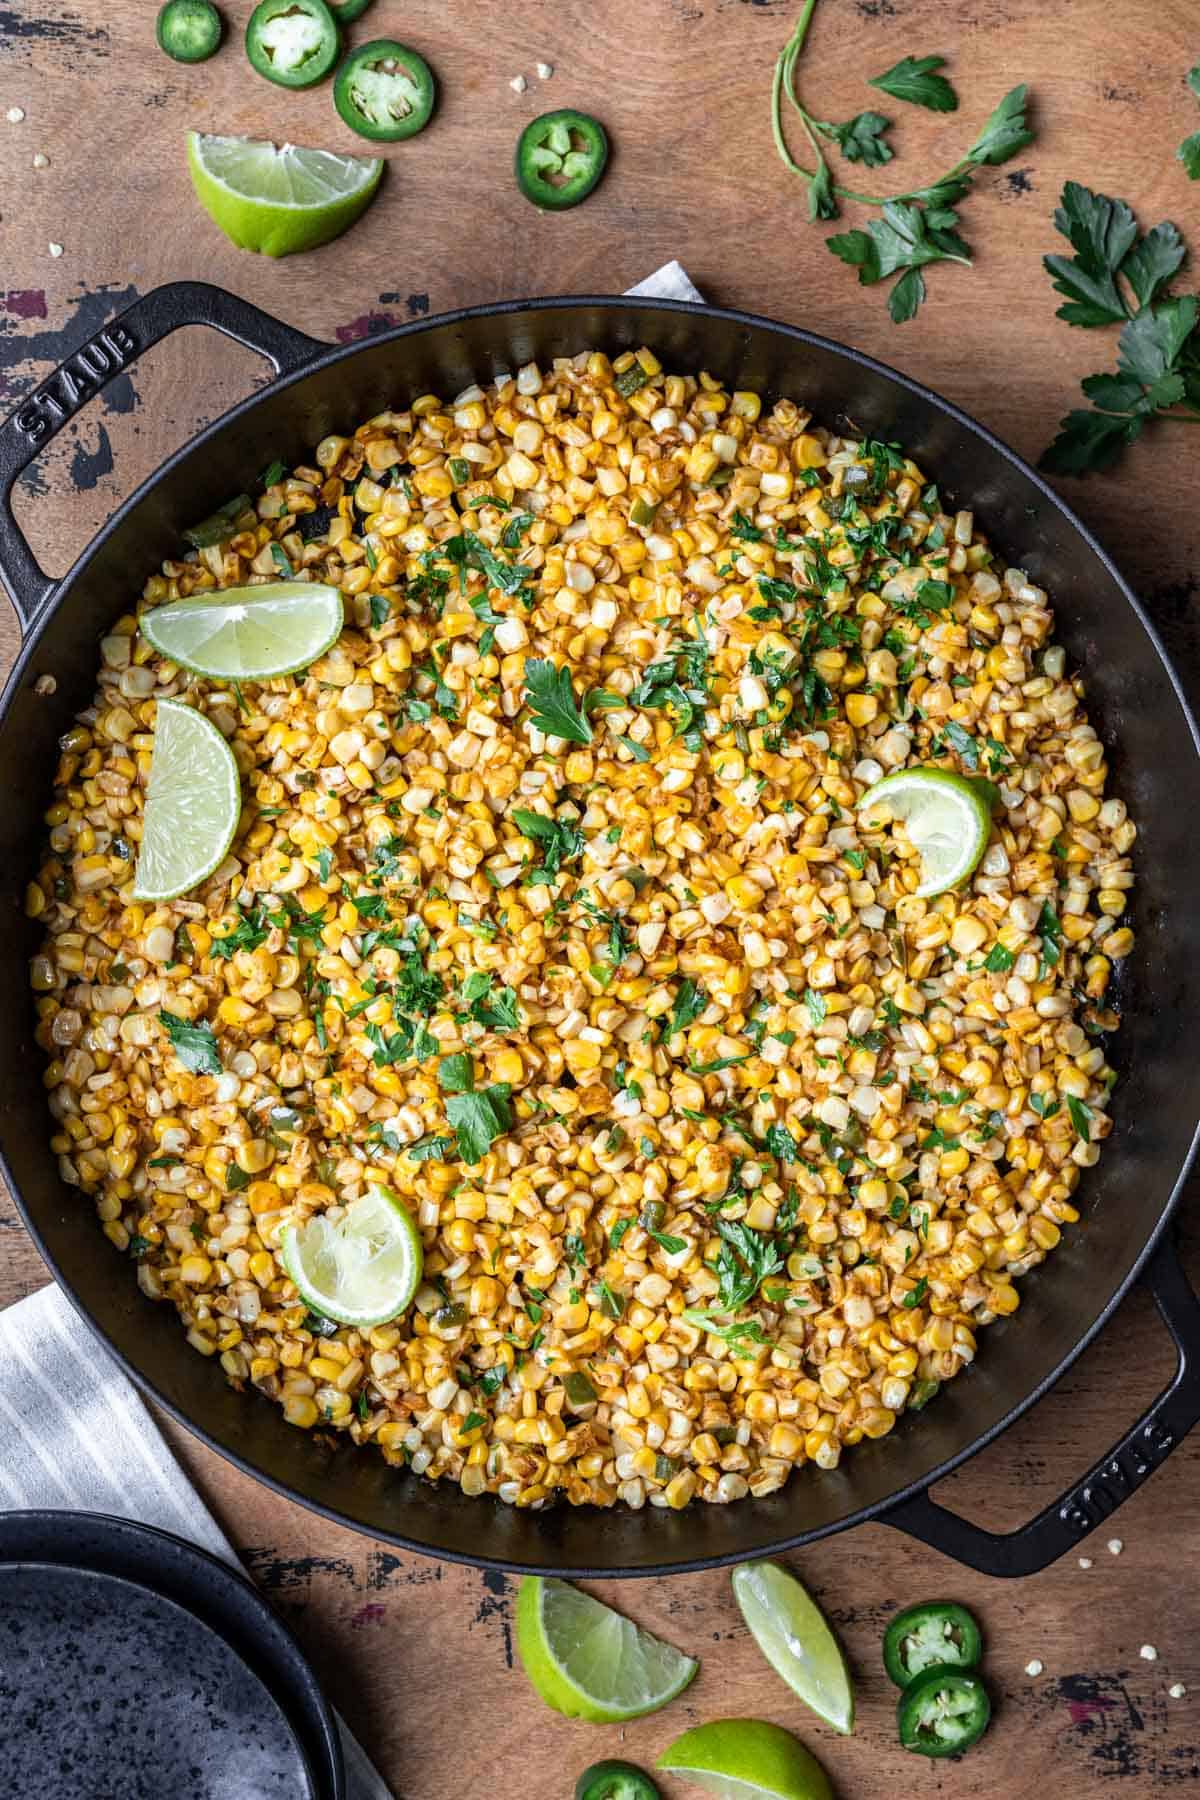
x=1097, y=1715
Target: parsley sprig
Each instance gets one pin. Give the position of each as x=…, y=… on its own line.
x=919, y=226
x=1119, y=276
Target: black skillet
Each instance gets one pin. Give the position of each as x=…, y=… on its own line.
x=1135, y=699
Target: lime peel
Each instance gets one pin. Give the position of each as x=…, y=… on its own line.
x=589, y=1662
x=361, y=1269
x=947, y=818
x=193, y=804
x=248, y=633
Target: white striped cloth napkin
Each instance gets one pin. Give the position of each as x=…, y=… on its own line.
x=75, y=1435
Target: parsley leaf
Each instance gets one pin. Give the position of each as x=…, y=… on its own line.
x=1006, y=131
x=860, y=139
x=456, y=1074
x=998, y=960
x=194, y=1044
x=690, y=1001
x=913, y=79
x=745, y=1259
x=749, y=1329
x=551, y=698
x=479, y=1119
x=1158, y=362
x=560, y=840
x=468, y=551
x=1081, y=1117
x=782, y=1144
x=496, y=1008
x=1188, y=152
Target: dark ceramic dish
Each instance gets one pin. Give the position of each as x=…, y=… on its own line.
x=1151, y=739
x=235, y=1680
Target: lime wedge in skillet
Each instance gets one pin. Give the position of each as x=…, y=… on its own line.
x=947, y=819
x=279, y=199
x=791, y=1631
x=193, y=804
x=587, y=1661
x=746, y=1759
x=361, y=1269
x=249, y=633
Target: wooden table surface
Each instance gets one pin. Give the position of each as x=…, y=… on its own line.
x=419, y=1656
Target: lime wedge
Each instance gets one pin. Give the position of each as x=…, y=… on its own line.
x=747, y=1759
x=362, y=1269
x=250, y=633
x=947, y=819
x=588, y=1662
x=791, y=1631
x=279, y=200
x=193, y=804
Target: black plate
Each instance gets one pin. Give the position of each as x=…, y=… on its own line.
x=109, y=1688
x=117, y=1569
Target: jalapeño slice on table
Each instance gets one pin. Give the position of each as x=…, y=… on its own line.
x=615, y=1780
x=188, y=30
x=294, y=43
x=938, y=1633
x=560, y=158
x=943, y=1711
x=346, y=11
x=385, y=91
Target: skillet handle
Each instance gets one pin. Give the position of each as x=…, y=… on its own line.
x=1164, y=1424
x=39, y=419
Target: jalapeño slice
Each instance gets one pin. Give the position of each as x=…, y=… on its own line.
x=560, y=158
x=188, y=30
x=385, y=91
x=615, y=1780
x=294, y=43
x=936, y=1633
x=943, y=1712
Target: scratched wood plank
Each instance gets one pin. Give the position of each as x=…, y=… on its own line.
x=407, y=1646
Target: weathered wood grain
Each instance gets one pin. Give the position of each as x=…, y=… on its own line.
x=418, y=1655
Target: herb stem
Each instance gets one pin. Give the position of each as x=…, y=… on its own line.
x=785, y=63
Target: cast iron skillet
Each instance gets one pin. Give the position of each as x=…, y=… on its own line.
x=1135, y=700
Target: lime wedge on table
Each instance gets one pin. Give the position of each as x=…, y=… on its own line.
x=588, y=1662
x=791, y=1631
x=947, y=819
x=746, y=1759
x=193, y=804
x=249, y=633
x=362, y=1269
x=279, y=199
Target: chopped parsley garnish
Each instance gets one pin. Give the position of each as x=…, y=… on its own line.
x=748, y=1331
x=1050, y=932
x=1081, y=1118
x=745, y=1259
x=690, y=1001
x=560, y=841
x=194, y=1044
